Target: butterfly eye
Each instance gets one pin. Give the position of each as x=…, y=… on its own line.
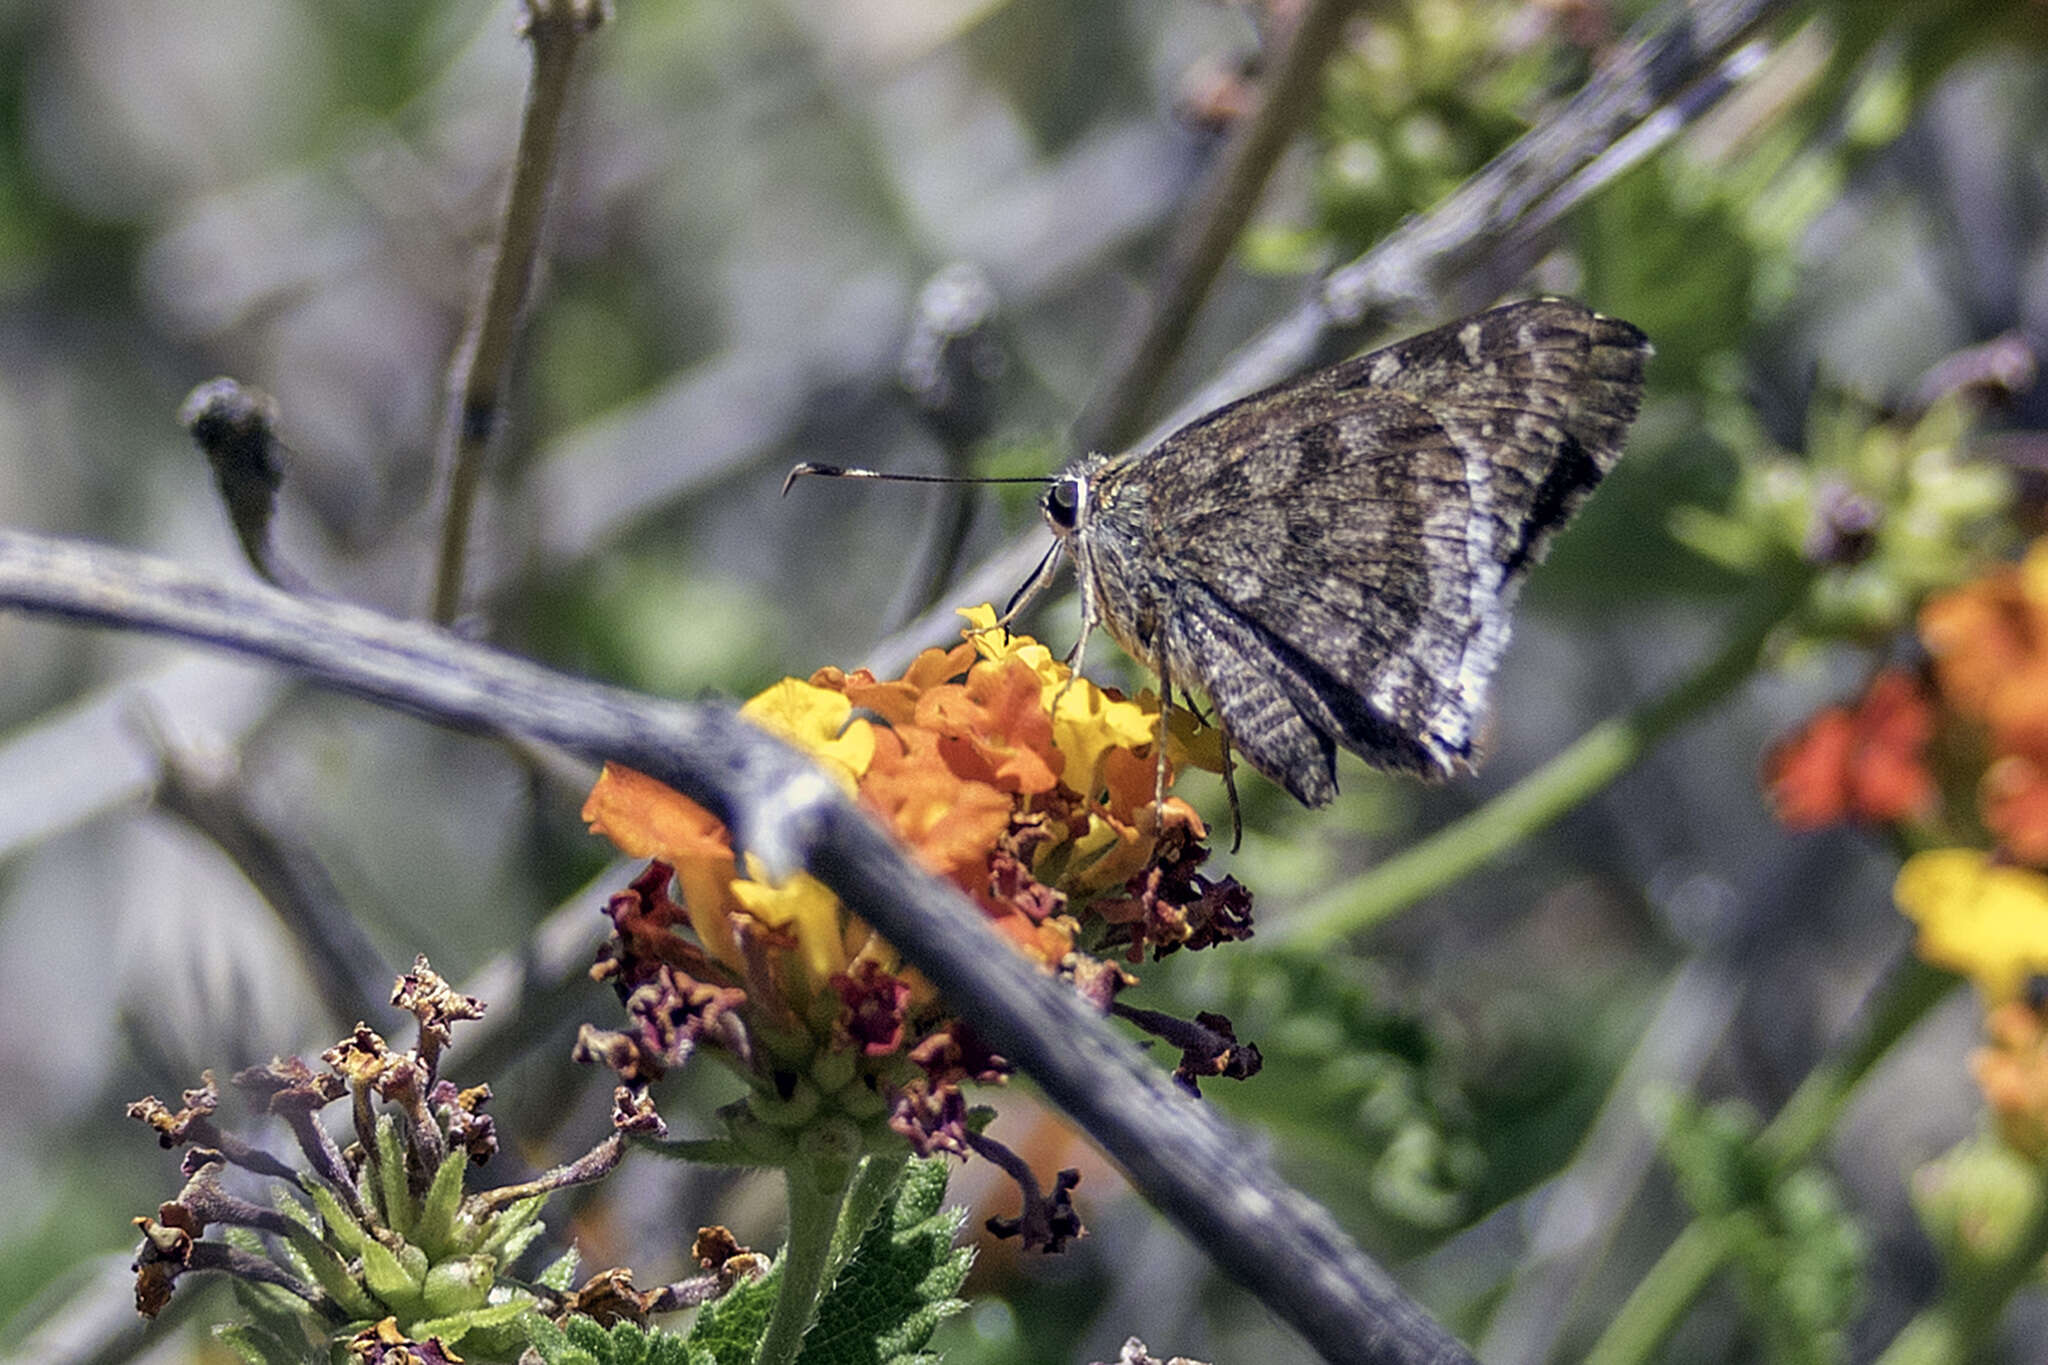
x=1062, y=504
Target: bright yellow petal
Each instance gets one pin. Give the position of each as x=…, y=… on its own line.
x=815, y=719
x=804, y=905
x=1988, y=922
x=1087, y=723
x=998, y=643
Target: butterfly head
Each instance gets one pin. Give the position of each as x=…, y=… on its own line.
x=1065, y=504
x=1069, y=500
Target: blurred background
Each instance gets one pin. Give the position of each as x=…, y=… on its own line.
x=752, y=198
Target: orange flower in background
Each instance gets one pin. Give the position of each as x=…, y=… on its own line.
x=2013, y=1074
x=2013, y=799
x=1865, y=762
x=1989, y=642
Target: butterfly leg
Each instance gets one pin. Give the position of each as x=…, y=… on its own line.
x=1161, y=666
x=1088, y=623
x=1230, y=787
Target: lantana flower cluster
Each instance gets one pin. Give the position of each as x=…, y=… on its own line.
x=1030, y=789
x=1953, y=756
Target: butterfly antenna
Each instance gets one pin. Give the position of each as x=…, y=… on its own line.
x=840, y=471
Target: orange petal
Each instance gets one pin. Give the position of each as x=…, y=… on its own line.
x=2014, y=801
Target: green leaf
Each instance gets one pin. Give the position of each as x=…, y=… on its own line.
x=455, y=1326
x=561, y=1272
x=459, y=1286
x=282, y=1319
x=625, y=1344
x=389, y=1281
x=900, y=1281
x=512, y=1230
x=1798, y=1255
x=260, y=1347
x=342, y=1229
x=396, y=1198
x=434, y=1230
x=319, y=1264
x=553, y=1346
x=728, y=1330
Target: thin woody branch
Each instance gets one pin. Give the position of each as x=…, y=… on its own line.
x=1198, y=251
x=1201, y=1172
x=483, y=360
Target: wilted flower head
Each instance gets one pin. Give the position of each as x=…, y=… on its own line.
x=375, y=1244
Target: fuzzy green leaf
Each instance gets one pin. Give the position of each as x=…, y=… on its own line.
x=512, y=1230
x=561, y=1272
x=553, y=1346
x=455, y=1326
x=260, y=1347
x=317, y=1263
x=434, y=1229
x=896, y=1287
x=459, y=1286
x=625, y=1344
x=391, y=1189
x=728, y=1330
x=342, y=1229
x=388, y=1279
x=281, y=1319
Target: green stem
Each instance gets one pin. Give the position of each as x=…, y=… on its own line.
x=817, y=1180
x=1662, y=1297
x=1806, y=1119
x=1598, y=757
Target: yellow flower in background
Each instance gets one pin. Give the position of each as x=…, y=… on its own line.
x=1987, y=921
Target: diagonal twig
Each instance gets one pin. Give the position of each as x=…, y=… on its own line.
x=1225, y=203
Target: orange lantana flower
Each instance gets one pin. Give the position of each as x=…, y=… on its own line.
x=1863, y=762
x=2013, y=1073
x=1031, y=790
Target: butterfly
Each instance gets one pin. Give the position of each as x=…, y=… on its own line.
x=1332, y=560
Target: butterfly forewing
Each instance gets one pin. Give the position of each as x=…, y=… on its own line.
x=1333, y=559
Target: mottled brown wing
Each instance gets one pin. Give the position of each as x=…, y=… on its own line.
x=1342, y=551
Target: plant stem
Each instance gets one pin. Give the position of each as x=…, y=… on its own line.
x=1596, y=759
x=556, y=28
x=1662, y=1297
x=1660, y=1300
x=817, y=1181
x=1212, y=226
